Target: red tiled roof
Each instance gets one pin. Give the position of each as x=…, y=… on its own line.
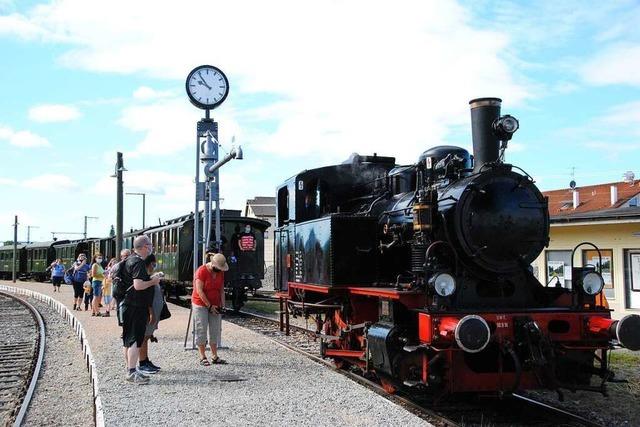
x=592, y=198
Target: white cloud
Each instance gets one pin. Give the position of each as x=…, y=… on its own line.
x=51, y=113
x=146, y=93
x=398, y=79
x=21, y=26
x=168, y=126
x=49, y=182
x=7, y=181
x=23, y=138
x=616, y=64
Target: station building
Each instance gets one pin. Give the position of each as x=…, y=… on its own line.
x=607, y=215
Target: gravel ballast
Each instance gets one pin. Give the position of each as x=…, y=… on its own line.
x=263, y=383
x=63, y=395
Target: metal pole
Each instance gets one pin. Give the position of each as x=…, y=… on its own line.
x=196, y=231
x=196, y=213
x=29, y=227
x=144, y=205
x=206, y=225
x=218, y=226
x=15, y=248
x=119, y=204
x=85, y=224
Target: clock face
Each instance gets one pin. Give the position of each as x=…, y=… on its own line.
x=207, y=87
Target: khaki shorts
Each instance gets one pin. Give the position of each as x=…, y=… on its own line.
x=206, y=325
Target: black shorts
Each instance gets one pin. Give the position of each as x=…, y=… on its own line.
x=134, y=325
x=57, y=280
x=78, y=289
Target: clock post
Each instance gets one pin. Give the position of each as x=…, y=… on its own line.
x=207, y=87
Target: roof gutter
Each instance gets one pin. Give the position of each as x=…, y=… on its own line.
x=566, y=222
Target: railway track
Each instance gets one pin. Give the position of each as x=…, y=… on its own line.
x=21, y=356
x=512, y=410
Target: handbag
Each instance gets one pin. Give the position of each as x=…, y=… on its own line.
x=165, y=313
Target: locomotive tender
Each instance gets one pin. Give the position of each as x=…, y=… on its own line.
x=421, y=273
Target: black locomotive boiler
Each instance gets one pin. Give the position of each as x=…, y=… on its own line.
x=421, y=273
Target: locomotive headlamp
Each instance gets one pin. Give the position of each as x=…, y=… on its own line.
x=592, y=283
x=505, y=126
x=443, y=283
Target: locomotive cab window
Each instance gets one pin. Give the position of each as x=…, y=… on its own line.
x=315, y=199
x=283, y=206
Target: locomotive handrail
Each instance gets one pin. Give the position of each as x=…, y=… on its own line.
x=595, y=247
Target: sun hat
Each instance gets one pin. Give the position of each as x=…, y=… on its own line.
x=219, y=262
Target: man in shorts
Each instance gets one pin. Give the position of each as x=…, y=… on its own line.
x=135, y=306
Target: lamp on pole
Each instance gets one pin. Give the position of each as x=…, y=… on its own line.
x=144, y=202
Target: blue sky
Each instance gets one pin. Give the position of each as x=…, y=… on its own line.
x=311, y=82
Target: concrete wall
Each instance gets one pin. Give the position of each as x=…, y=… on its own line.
x=618, y=237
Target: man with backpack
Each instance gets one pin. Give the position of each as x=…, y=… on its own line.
x=79, y=273
x=134, y=308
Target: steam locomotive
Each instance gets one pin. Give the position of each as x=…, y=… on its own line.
x=420, y=274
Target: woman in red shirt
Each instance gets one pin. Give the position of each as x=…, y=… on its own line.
x=207, y=301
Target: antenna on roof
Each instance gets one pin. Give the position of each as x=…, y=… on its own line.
x=573, y=184
x=629, y=177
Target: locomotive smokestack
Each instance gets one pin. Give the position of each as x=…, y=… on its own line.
x=486, y=144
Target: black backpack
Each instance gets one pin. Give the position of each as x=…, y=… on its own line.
x=118, y=288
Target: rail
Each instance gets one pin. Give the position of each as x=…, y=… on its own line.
x=42, y=336
x=446, y=416
x=75, y=324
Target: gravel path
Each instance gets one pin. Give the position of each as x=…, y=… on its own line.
x=63, y=394
x=263, y=384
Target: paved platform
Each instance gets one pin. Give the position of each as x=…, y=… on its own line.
x=263, y=384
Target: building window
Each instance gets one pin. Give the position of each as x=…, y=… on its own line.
x=590, y=257
x=558, y=268
x=632, y=277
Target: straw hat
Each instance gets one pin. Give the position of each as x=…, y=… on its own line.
x=219, y=262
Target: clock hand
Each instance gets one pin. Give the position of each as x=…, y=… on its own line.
x=203, y=81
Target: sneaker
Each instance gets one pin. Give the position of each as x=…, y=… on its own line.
x=142, y=374
x=150, y=363
x=147, y=369
x=136, y=378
